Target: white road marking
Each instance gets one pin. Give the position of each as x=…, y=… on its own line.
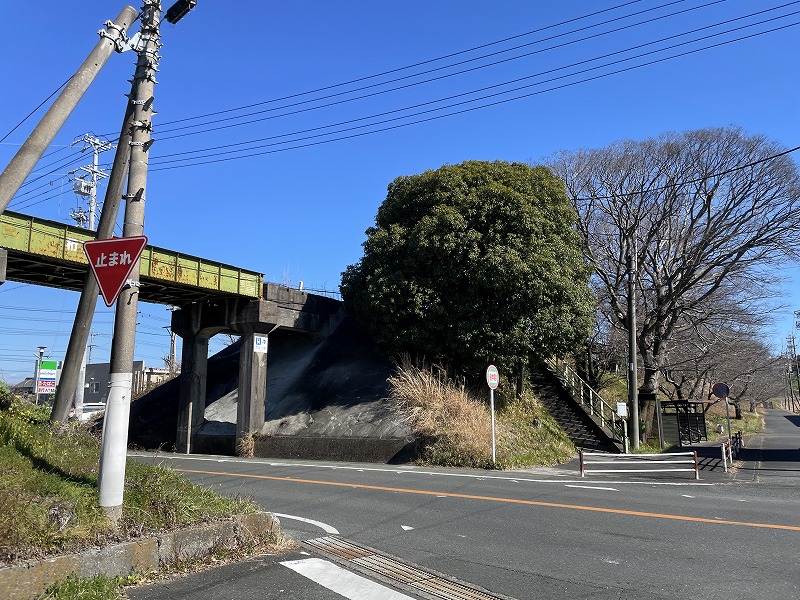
x=406, y=527
x=556, y=477
x=592, y=487
x=341, y=581
x=684, y=495
x=324, y=526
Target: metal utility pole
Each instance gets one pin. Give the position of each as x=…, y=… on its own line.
x=115, y=429
x=633, y=375
x=84, y=186
x=31, y=151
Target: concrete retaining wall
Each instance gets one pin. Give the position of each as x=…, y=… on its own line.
x=347, y=449
x=28, y=580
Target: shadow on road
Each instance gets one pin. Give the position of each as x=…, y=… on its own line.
x=793, y=419
x=785, y=455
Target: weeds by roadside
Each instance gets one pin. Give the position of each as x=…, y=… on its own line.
x=50, y=498
x=453, y=425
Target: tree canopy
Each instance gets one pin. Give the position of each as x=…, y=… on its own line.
x=474, y=263
x=709, y=215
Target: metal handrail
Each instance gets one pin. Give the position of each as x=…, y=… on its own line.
x=587, y=397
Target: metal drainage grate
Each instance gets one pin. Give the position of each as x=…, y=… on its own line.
x=393, y=569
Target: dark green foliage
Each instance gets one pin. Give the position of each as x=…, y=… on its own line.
x=474, y=263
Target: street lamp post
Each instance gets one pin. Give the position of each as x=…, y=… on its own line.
x=40, y=356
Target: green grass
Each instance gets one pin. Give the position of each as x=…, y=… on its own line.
x=49, y=484
x=530, y=436
x=100, y=587
x=453, y=423
x=750, y=423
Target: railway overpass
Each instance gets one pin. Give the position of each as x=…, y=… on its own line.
x=212, y=298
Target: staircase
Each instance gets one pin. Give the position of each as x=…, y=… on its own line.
x=587, y=431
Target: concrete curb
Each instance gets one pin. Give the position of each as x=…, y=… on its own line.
x=28, y=580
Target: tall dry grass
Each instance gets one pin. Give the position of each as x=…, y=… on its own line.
x=454, y=428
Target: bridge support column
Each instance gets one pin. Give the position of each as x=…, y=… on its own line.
x=192, y=394
x=252, y=386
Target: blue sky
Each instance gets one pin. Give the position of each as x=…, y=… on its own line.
x=297, y=210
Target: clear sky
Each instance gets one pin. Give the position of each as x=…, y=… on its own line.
x=295, y=204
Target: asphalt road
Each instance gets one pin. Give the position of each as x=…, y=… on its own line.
x=534, y=534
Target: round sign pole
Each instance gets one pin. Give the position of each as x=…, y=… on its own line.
x=493, y=379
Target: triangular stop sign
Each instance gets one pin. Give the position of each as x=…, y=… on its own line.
x=112, y=261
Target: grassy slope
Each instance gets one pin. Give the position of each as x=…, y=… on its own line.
x=49, y=483
x=454, y=425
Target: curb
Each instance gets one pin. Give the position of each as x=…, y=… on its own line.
x=29, y=579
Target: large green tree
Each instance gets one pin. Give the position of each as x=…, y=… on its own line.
x=474, y=263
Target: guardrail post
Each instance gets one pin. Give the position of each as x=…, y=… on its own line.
x=580, y=454
x=724, y=457
x=696, y=466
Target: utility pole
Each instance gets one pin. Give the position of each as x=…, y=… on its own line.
x=172, y=360
x=76, y=348
x=791, y=350
x=115, y=429
x=31, y=151
x=38, y=371
x=87, y=186
x=633, y=375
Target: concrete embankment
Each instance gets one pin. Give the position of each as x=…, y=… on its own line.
x=326, y=399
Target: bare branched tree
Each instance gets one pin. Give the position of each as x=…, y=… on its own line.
x=707, y=214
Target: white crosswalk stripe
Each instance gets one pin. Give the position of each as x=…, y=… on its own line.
x=342, y=581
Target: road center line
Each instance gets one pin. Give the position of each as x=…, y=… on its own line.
x=615, y=511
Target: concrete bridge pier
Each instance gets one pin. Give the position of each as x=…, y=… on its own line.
x=250, y=412
x=192, y=394
x=197, y=323
x=253, y=320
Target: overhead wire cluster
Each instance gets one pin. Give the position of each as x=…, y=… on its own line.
x=451, y=69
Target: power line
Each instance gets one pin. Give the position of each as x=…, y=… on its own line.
x=441, y=68
x=43, y=102
x=482, y=106
x=419, y=64
x=222, y=147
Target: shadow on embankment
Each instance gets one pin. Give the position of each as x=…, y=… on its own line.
x=326, y=399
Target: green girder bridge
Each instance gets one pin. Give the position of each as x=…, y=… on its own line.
x=49, y=253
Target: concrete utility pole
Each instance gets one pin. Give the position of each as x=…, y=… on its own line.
x=76, y=348
x=633, y=375
x=31, y=151
x=115, y=430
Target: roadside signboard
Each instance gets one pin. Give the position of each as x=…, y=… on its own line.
x=720, y=390
x=260, y=344
x=492, y=377
x=622, y=410
x=46, y=383
x=112, y=261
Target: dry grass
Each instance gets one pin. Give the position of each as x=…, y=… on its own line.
x=247, y=445
x=454, y=425
x=454, y=428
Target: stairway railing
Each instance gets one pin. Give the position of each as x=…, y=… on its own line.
x=600, y=410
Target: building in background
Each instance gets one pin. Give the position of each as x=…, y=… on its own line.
x=144, y=378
